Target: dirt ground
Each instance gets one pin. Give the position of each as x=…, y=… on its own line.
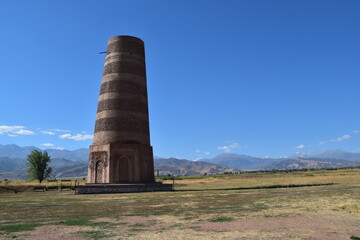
x=330, y=212
x=312, y=226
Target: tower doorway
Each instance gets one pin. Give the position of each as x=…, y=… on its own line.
x=99, y=172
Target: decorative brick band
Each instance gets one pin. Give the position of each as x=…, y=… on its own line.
x=106, y=137
x=124, y=57
x=124, y=67
x=123, y=87
x=126, y=46
x=114, y=124
x=120, y=114
x=133, y=105
x=124, y=76
x=114, y=95
x=129, y=60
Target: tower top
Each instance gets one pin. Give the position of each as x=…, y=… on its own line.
x=125, y=38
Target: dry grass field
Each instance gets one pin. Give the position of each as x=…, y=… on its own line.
x=201, y=208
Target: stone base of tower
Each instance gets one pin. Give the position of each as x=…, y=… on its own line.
x=122, y=188
x=119, y=163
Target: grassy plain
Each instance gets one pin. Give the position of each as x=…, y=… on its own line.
x=208, y=207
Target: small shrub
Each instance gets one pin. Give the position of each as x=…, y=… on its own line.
x=95, y=234
x=75, y=222
x=354, y=238
x=221, y=219
x=177, y=225
x=137, y=229
x=138, y=225
x=19, y=227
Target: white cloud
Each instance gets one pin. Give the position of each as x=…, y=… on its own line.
x=339, y=139
x=48, y=132
x=59, y=148
x=77, y=137
x=12, y=135
x=225, y=148
x=9, y=129
x=24, y=132
x=47, y=144
x=300, y=146
x=231, y=147
x=59, y=130
x=13, y=130
x=234, y=145
x=356, y=131
x=201, y=153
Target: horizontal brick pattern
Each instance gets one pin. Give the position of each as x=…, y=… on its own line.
x=124, y=87
x=123, y=104
x=134, y=47
x=114, y=124
x=124, y=67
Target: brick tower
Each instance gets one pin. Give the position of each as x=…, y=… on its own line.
x=121, y=151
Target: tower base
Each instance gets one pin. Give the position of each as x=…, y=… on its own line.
x=122, y=188
x=119, y=163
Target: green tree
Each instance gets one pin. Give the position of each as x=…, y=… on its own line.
x=38, y=165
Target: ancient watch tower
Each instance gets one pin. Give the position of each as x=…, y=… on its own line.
x=121, y=151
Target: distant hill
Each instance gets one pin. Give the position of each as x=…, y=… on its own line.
x=329, y=159
x=239, y=161
x=310, y=163
x=182, y=167
x=9, y=164
x=68, y=163
x=15, y=168
x=78, y=155
x=333, y=154
x=65, y=163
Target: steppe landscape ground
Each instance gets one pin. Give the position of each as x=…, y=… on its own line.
x=200, y=208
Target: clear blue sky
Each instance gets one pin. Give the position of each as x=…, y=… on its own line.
x=264, y=78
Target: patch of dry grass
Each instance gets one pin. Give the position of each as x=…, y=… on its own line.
x=341, y=176
x=36, y=183
x=279, y=213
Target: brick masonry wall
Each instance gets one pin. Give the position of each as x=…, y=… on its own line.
x=122, y=188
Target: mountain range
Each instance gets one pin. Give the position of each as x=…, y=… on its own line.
x=67, y=163
x=327, y=159
x=334, y=154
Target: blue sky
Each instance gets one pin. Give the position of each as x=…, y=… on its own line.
x=264, y=78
